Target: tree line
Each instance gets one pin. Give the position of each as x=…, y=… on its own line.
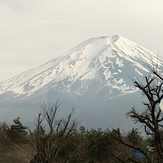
x=62, y=142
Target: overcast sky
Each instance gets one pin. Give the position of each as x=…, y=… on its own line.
x=33, y=32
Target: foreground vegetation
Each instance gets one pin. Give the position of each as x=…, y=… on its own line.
x=63, y=143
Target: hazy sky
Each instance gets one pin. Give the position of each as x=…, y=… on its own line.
x=33, y=32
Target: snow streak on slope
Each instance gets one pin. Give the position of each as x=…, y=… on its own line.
x=103, y=62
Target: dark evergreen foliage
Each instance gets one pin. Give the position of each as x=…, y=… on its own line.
x=134, y=137
x=17, y=132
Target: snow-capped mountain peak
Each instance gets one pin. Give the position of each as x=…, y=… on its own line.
x=101, y=62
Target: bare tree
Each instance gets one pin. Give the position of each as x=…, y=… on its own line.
x=151, y=116
x=51, y=134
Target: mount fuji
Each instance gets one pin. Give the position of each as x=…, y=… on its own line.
x=96, y=77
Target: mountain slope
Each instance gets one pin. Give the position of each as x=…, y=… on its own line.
x=92, y=73
x=108, y=60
